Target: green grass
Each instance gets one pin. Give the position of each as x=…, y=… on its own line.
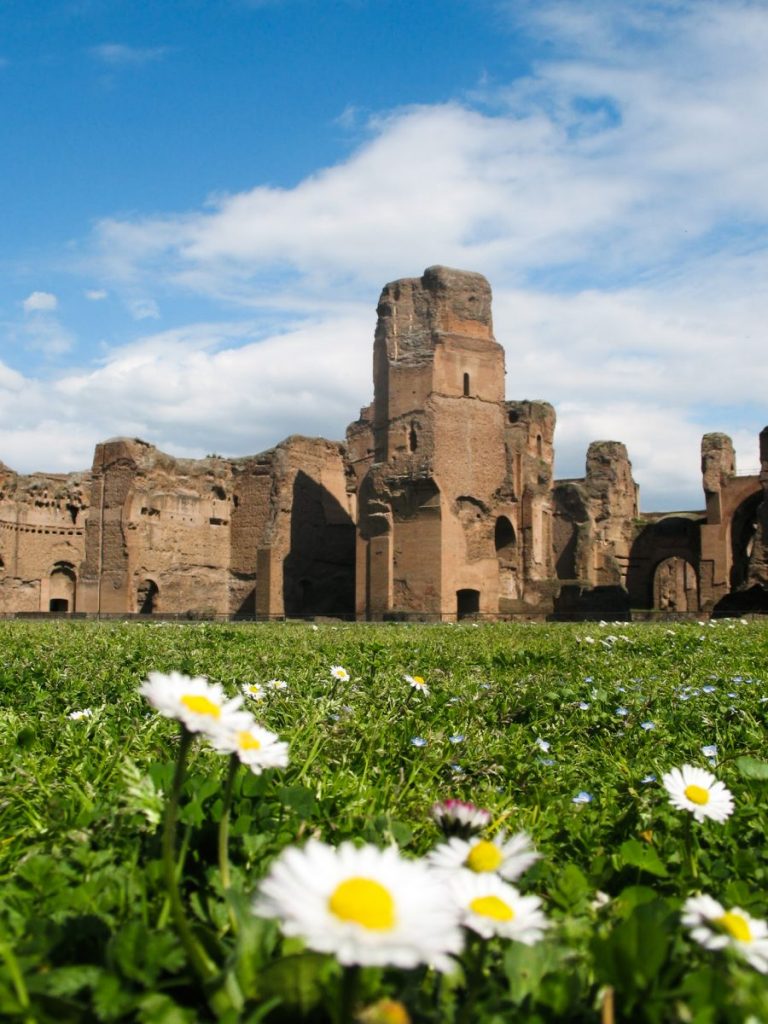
x=86, y=930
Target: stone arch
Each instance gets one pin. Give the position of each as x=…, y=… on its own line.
x=147, y=597
x=62, y=587
x=743, y=531
x=507, y=557
x=675, y=585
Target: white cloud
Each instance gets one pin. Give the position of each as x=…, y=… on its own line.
x=615, y=198
x=120, y=55
x=95, y=294
x=40, y=302
x=143, y=309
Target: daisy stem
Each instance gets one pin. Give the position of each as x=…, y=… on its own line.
x=476, y=949
x=196, y=955
x=226, y=880
x=348, y=994
x=690, y=850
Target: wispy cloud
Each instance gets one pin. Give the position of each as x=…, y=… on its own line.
x=121, y=55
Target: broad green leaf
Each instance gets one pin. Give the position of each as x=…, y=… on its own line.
x=635, y=854
x=751, y=768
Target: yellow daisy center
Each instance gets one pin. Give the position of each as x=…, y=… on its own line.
x=418, y=680
x=200, y=705
x=493, y=907
x=697, y=794
x=365, y=902
x=247, y=741
x=734, y=925
x=484, y=856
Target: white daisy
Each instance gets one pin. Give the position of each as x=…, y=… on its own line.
x=277, y=684
x=255, y=691
x=340, y=673
x=490, y=906
x=506, y=857
x=365, y=905
x=714, y=927
x=698, y=791
x=458, y=818
x=201, y=706
x=255, y=746
x=77, y=715
x=418, y=684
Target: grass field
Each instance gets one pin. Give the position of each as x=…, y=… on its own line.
x=563, y=732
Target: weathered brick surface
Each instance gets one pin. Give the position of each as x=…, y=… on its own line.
x=441, y=503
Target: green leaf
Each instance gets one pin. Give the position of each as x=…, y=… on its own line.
x=299, y=981
x=751, y=768
x=631, y=956
x=525, y=966
x=635, y=854
x=299, y=799
x=571, y=887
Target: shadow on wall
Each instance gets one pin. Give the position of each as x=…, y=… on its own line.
x=319, y=569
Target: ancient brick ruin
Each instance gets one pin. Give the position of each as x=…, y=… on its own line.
x=441, y=504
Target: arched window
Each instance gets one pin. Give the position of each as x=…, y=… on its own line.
x=539, y=446
x=413, y=438
x=466, y=385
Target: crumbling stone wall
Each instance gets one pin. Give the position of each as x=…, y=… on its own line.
x=42, y=526
x=442, y=503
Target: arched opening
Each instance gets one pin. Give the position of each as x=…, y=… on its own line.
x=147, y=597
x=504, y=538
x=413, y=438
x=743, y=531
x=466, y=385
x=539, y=446
x=467, y=603
x=61, y=588
x=675, y=586
x=505, y=543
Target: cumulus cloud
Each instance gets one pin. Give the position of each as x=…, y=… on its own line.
x=40, y=302
x=614, y=197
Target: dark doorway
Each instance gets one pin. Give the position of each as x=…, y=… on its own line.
x=467, y=603
x=58, y=604
x=146, y=597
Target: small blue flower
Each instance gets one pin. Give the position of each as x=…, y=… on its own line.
x=648, y=778
x=458, y=737
x=457, y=769
x=582, y=798
x=621, y=712
x=548, y=761
x=710, y=750
x=542, y=744
x=587, y=679
x=418, y=741
x=584, y=705
x=708, y=689
x=647, y=726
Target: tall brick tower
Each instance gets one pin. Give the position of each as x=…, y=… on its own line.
x=442, y=515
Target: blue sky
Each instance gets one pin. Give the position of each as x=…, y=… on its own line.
x=202, y=201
